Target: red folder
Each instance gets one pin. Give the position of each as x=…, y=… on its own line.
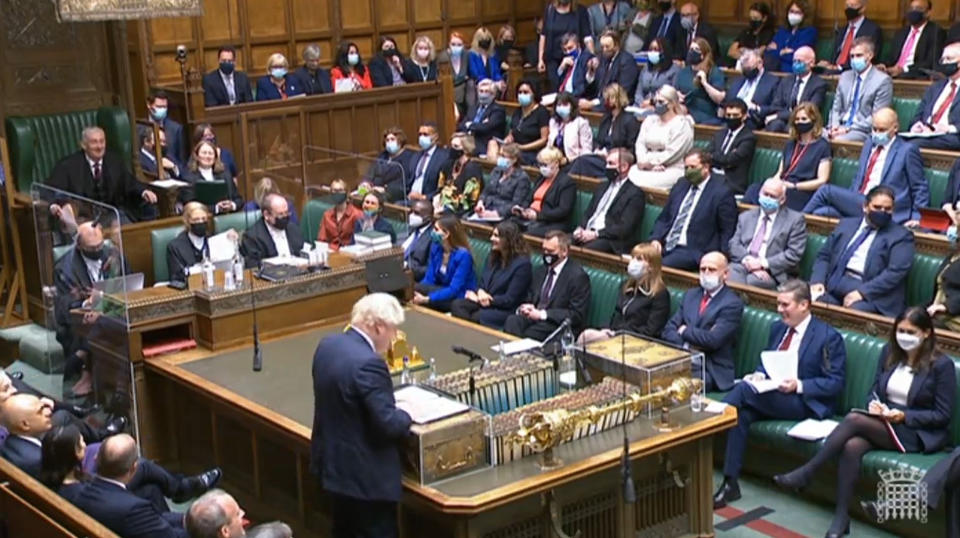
x=935, y=219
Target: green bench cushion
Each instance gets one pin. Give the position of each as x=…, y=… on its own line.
x=239, y=220
x=814, y=243
x=921, y=278
x=580, y=205
x=650, y=214
x=313, y=212
x=604, y=291
x=843, y=171
x=937, y=179
x=765, y=164
x=159, y=239
x=906, y=108
x=480, y=248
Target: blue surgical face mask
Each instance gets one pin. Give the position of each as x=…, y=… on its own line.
x=524, y=99
x=880, y=139
x=563, y=111
x=160, y=113
x=573, y=53
x=653, y=57
x=392, y=146
x=436, y=237
x=769, y=204
x=456, y=50
x=370, y=213
x=353, y=58
x=503, y=162
x=799, y=68
x=278, y=72
x=859, y=64
x=425, y=141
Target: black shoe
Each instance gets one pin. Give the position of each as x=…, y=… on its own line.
x=728, y=492
x=872, y=509
x=846, y=531
x=15, y=375
x=205, y=481
x=116, y=425
x=80, y=411
x=793, y=481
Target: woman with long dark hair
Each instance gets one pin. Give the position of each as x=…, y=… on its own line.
x=907, y=410
x=450, y=271
x=62, y=451
x=504, y=282
x=349, y=66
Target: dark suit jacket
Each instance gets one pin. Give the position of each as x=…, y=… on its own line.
x=431, y=174
x=642, y=314
x=357, y=429
x=675, y=35
x=579, y=74
x=735, y=163
x=714, y=332
x=215, y=91
x=925, y=111
x=570, y=297
x=419, y=256
x=927, y=54
x=867, y=29
x=181, y=255
x=929, y=402
x=119, y=188
x=73, y=285
x=621, y=69
x=713, y=221
x=814, y=92
x=186, y=194
x=267, y=90
x=763, y=97
x=258, y=245
x=149, y=165
x=557, y=204
x=176, y=141
x=412, y=73
x=393, y=172
x=22, y=453
x=902, y=172
x=821, y=366
x=380, y=73
x=888, y=263
x=623, y=133
x=123, y=512
x=707, y=32
x=501, y=196
x=314, y=83
x=952, y=193
x=493, y=123
x=508, y=285
x=624, y=214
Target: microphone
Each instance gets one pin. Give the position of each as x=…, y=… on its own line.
x=472, y=356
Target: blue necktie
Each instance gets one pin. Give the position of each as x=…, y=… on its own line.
x=663, y=26
x=856, y=102
x=841, y=266
x=406, y=253
x=479, y=114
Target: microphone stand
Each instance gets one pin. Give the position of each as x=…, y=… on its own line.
x=257, y=351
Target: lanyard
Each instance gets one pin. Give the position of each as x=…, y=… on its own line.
x=795, y=160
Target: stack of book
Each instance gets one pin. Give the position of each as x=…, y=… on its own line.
x=367, y=242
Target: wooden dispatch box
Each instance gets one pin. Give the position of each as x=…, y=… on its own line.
x=448, y=447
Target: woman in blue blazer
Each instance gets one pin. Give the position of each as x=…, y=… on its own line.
x=278, y=83
x=482, y=62
x=913, y=396
x=449, y=273
x=372, y=218
x=789, y=38
x=504, y=282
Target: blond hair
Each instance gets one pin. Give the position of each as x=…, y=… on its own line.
x=425, y=40
x=277, y=59
x=482, y=33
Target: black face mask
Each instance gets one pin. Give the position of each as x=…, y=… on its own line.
x=734, y=123
x=281, y=223
x=92, y=255
x=948, y=70
x=507, y=43
x=665, y=6
x=612, y=174
x=751, y=73
x=390, y=53
x=484, y=43
x=803, y=127
x=755, y=24
x=338, y=197
x=455, y=154
x=198, y=229
x=226, y=68
x=694, y=57
x=851, y=13
x=549, y=259
x=914, y=17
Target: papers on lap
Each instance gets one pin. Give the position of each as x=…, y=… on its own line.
x=812, y=429
x=779, y=365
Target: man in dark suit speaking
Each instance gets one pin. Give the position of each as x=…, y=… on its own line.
x=357, y=428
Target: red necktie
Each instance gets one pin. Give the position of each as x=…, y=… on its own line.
x=847, y=45
x=566, y=78
x=945, y=106
x=97, y=172
x=870, y=165
x=785, y=345
x=703, y=302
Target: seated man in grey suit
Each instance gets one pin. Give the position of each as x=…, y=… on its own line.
x=860, y=91
x=769, y=242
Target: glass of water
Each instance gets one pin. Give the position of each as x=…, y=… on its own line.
x=696, y=401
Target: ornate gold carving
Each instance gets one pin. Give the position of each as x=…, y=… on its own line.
x=106, y=10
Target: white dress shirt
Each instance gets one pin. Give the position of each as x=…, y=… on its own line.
x=772, y=218
x=197, y=241
x=206, y=174
x=912, y=53
x=794, y=346
x=727, y=143
x=876, y=175
x=228, y=84
x=94, y=268
x=803, y=84
x=92, y=164
x=556, y=275
x=599, y=219
x=279, y=240
x=31, y=440
x=365, y=337
x=898, y=386
x=696, y=200
x=859, y=259
x=413, y=237
x=945, y=118
x=749, y=88
x=417, y=186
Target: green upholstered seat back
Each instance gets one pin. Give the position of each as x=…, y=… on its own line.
x=36, y=143
x=580, y=208
x=906, y=107
x=955, y=418
x=159, y=239
x=921, y=278
x=724, y=40
x=239, y=220
x=863, y=352
x=937, y=179
x=399, y=227
x=765, y=164
x=313, y=212
x=814, y=243
x=701, y=143
x=676, y=297
x=825, y=48
x=827, y=105
x=58, y=252
x=754, y=333
x=650, y=214
x=604, y=291
x=480, y=248
x=843, y=172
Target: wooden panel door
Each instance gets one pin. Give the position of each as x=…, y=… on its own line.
x=266, y=19
x=172, y=31
x=459, y=10
x=722, y=11
x=310, y=16
x=356, y=15
x=391, y=14
x=496, y=10
x=428, y=11
x=220, y=23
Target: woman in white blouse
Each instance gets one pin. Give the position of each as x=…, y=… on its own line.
x=569, y=131
x=665, y=137
x=908, y=410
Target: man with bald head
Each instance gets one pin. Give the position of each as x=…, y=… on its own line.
x=708, y=320
x=100, y=175
x=26, y=418
x=216, y=514
x=272, y=235
x=769, y=242
x=107, y=499
x=938, y=112
x=800, y=87
x=886, y=159
x=694, y=26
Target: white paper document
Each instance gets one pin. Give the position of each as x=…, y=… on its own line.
x=715, y=407
x=168, y=183
x=812, y=429
x=908, y=134
x=221, y=247
x=425, y=406
x=517, y=346
x=295, y=261
x=548, y=99
x=762, y=385
x=780, y=365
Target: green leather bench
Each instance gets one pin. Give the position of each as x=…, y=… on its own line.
x=937, y=179
x=36, y=143
x=313, y=212
x=765, y=163
x=702, y=143
x=824, y=48
x=604, y=291
x=906, y=108
x=238, y=220
x=843, y=172
x=650, y=215
x=827, y=105
x=480, y=249
x=159, y=239
x=814, y=243
x=921, y=279
x=580, y=205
